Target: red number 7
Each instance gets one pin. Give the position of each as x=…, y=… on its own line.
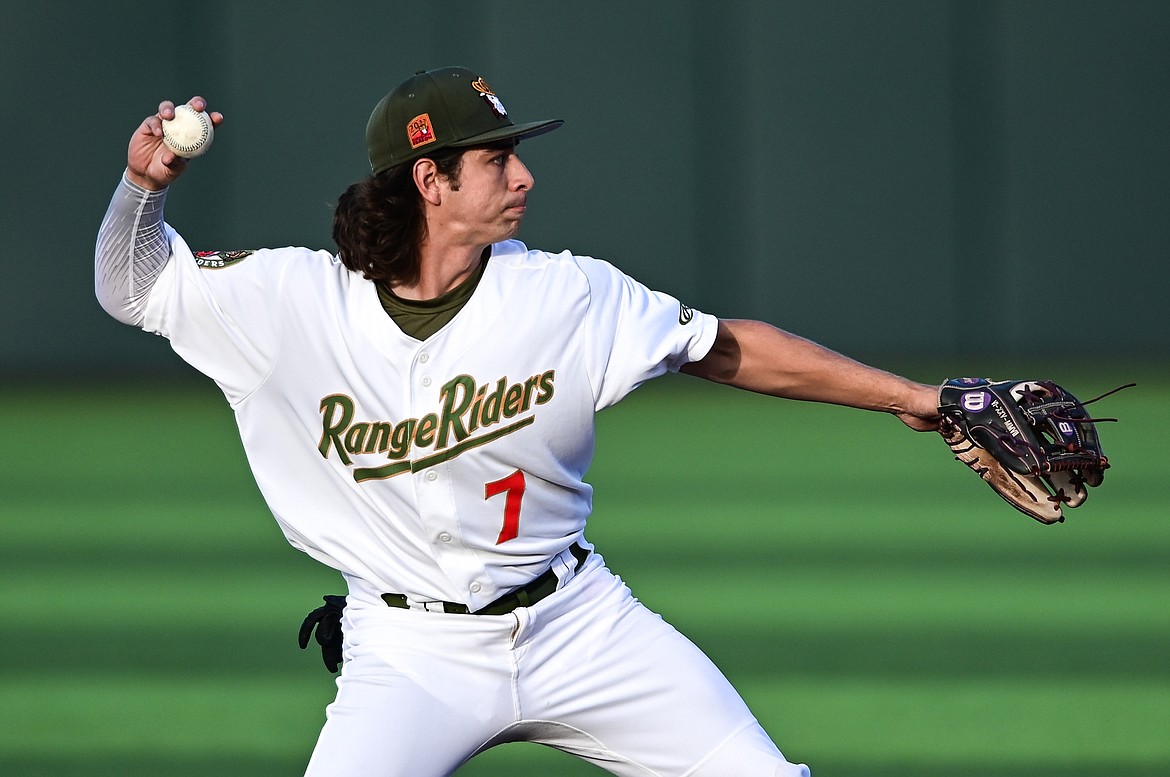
x=513, y=486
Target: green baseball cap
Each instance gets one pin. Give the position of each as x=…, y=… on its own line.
x=448, y=107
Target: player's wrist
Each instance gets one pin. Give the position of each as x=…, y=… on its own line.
x=926, y=400
x=917, y=406
x=143, y=182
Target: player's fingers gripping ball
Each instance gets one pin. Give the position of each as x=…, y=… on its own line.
x=190, y=133
x=1030, y=440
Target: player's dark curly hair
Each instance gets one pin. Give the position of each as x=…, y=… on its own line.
x=378, y=224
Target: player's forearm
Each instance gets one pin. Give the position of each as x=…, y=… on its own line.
x=758, y=357
x=131, y=251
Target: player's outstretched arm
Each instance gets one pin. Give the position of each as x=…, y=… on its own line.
x=759, y=357
x=149, y=163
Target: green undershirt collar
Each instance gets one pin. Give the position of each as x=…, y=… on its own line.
x=422, y=318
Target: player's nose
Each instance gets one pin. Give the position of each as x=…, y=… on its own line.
x=519, y=175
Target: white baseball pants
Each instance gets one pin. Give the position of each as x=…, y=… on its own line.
x=588, y=670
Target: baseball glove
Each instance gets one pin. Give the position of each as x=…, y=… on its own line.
x=1030, y=440
x=327, y=620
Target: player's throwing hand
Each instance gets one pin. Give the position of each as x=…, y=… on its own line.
x=149, y=163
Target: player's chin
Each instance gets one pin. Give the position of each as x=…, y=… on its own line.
x=511, y=223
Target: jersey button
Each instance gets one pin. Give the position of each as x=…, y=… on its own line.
x=444, y=537
x=426, y=382
x=423, y=358
x=475, y=587
x=432, y=475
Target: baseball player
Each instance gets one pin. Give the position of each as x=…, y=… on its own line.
x=417, y=409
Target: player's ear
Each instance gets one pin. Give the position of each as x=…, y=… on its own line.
x=426, y=180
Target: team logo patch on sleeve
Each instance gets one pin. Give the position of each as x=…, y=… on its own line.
x=215, y=260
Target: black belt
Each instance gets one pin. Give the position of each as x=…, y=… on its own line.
x=525, y=596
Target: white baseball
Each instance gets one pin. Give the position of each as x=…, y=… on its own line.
x=189, y=134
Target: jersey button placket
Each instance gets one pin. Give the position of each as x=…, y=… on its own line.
x=431, y=476
x=435, y=500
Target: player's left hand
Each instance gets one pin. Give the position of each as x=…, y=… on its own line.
x=1030, y=440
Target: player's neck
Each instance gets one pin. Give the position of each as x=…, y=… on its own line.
x=442, y=271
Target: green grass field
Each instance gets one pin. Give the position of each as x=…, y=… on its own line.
x=882, y=611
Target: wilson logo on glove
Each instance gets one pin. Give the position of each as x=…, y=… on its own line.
x=975, y=401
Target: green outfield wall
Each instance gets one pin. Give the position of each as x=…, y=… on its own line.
x=894, y=179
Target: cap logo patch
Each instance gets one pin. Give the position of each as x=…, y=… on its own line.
x=486, y=91
x=419, y=131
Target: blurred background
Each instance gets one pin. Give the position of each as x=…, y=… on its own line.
x=940, y=187
x=936, y=179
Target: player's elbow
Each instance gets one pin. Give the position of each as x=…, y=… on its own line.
x=722, y=362
x=119, y=306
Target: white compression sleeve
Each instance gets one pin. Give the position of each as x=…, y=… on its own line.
x=131, y=251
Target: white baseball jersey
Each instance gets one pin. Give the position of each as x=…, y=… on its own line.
x=450, y=469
